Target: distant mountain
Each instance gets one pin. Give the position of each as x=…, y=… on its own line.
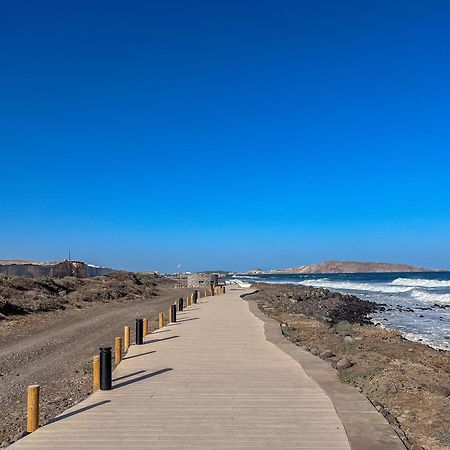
x=349, y=267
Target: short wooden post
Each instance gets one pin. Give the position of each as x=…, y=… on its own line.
x=170, y=315
x=118, y=350
x=126, y=338
x=145, y=324
x=161, y=320
x=96, y=373
x=33, y=408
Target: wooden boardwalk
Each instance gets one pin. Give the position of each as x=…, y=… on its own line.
x=209, y=381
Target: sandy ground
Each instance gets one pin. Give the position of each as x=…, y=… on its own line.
x=409, y=383
x=54, y=349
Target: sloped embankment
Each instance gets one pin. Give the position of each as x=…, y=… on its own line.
x=20, y=295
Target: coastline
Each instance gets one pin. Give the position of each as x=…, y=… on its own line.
x=416, y=304
x=408, y=382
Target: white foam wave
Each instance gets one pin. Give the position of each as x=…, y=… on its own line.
x=429, y=297
x=409, y=282
x=351, y=286
x=424, y=339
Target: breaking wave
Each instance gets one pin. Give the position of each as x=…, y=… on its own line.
x=430, y=297
x=410, y=282
x=353, y=286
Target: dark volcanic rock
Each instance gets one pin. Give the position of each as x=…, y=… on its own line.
x=323, y=305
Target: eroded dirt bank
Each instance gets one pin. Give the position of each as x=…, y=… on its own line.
x=52, y=328
x=409, y=383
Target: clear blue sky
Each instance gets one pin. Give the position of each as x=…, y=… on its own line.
x=233, y=134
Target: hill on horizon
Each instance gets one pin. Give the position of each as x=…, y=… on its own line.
x=349, y=267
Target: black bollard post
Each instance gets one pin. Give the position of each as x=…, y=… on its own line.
x=195, y=296
x=105, y=369
x=180, y=304
x=139, y=331
x=174, y=313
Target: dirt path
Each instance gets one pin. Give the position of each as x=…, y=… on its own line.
x=54, y=350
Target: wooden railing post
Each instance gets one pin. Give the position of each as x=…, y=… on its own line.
x=126, y=338
x=145, y=325
x=33, y=408
x=118, y=350
x=95, y=373
x=161, y=320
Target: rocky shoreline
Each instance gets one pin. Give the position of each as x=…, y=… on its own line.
x=407, y=382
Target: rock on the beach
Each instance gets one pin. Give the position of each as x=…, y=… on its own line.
x=440, y=390
x=314, y=351
x=342, y=325
x=348, y=339
x=327, y=354
x=343, y=363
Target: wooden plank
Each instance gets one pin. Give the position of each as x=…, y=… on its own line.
x=211, y=380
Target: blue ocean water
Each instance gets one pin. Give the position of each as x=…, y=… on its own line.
x=417, y=304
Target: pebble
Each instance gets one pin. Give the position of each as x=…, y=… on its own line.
x=342, y=325
x=348, y=339
x=344, y=363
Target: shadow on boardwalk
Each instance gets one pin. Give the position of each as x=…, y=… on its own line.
x=143, y=377
x=78, y=411
x=152, y=341
x=140, y=354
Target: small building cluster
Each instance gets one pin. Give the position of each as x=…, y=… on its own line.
x=202, y=280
